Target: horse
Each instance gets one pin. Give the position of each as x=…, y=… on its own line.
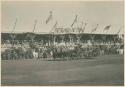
x=35, y=54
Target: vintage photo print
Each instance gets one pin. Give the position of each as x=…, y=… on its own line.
x=62, y=43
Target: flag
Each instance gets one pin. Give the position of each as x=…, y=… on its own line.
x=93, y=30
x=49, y=18
x=107, y=27
x=75, y=20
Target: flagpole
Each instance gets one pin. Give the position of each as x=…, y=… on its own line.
x=106, y=32
x=14, y=25
x=12, y=35
x=35, y=22
x=93, y=30
x=54, y=30
x=119, y=30
x=32, y=35
x=83, y=30
x=118, y=33
x=84, y=27
x=75, y=20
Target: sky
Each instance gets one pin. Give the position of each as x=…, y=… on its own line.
x=93, y=13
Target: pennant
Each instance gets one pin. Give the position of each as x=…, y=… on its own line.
x=49, y=18
x=107, y=27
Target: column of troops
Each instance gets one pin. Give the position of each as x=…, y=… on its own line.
x=58, y=51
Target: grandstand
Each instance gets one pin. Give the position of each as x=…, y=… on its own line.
x=60, y=42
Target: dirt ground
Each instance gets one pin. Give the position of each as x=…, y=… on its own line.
x=103, y=71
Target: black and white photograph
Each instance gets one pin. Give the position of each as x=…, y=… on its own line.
x=62, y=43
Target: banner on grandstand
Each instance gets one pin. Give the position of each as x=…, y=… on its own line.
x=49, y=18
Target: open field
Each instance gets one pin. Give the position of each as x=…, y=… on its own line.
x=103, y=70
